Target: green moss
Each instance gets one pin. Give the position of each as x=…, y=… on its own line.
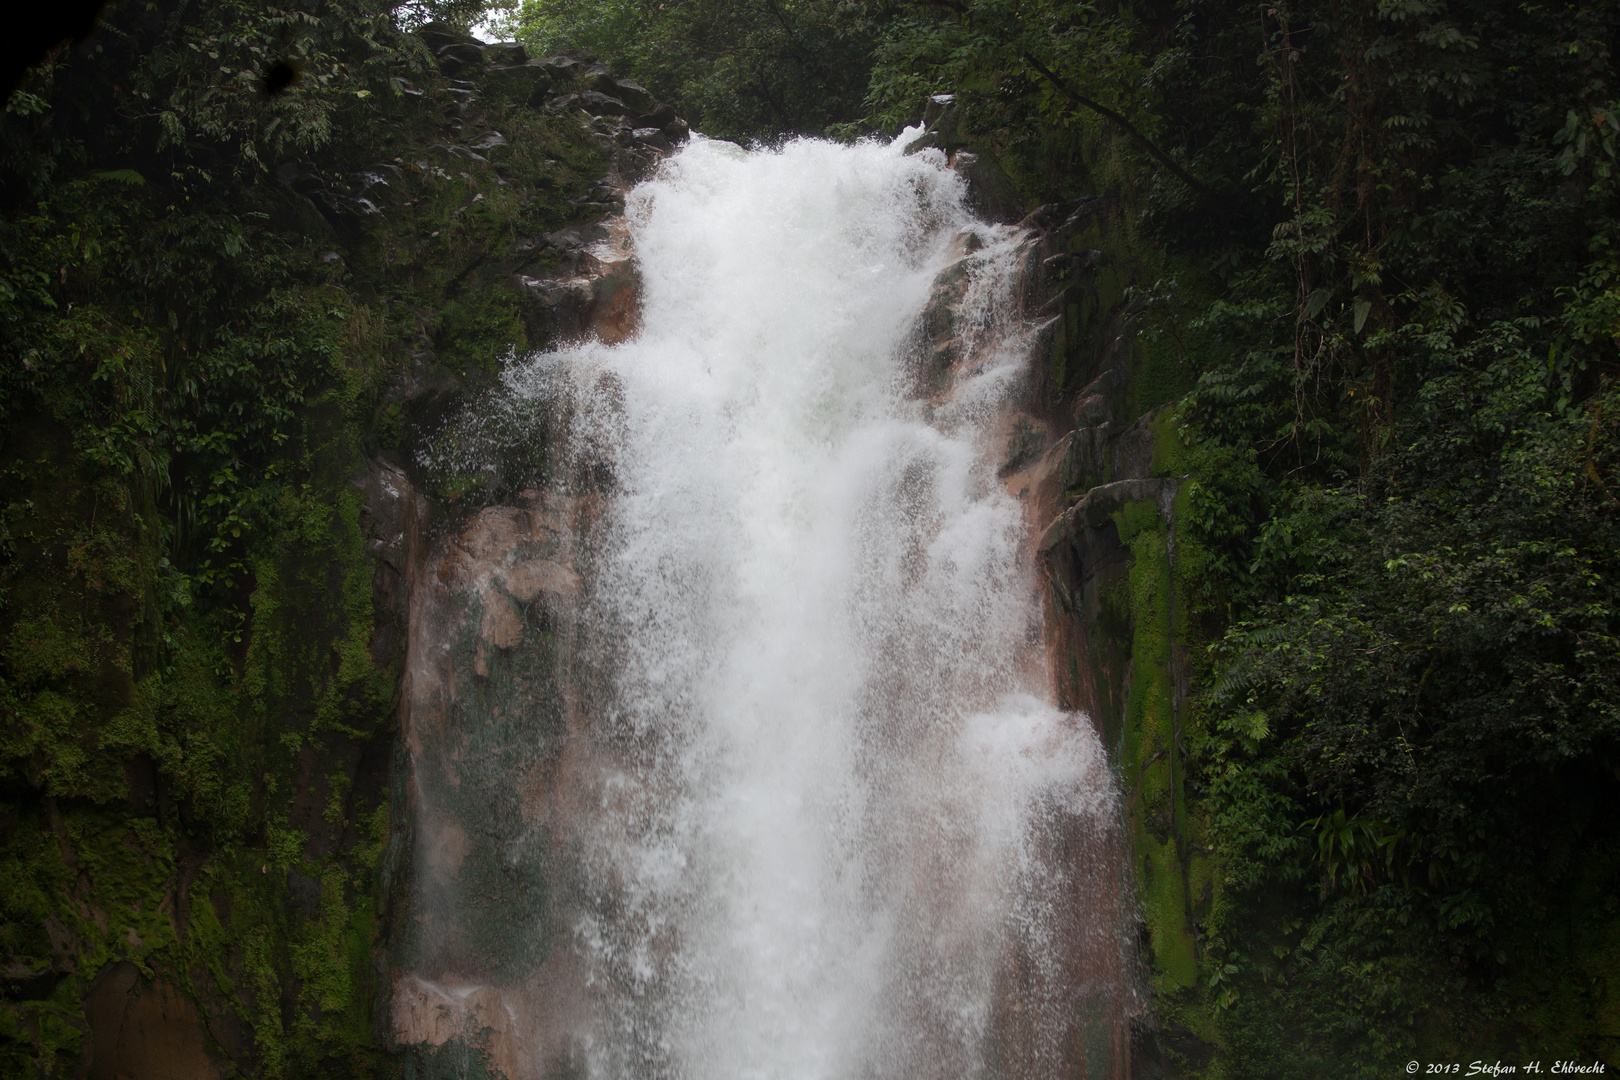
x=1150, y=765
x=42, y=1038
x=1144, y=612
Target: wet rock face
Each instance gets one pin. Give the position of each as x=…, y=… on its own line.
x=599, y=297
x=491, y=623
x=141, y=1027
x=992, y=192
x=599, y=104
x=486, y=719
x=995, y=196
x=523, y=1032
x=1102, y=513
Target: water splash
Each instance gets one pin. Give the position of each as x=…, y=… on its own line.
x=829, y=825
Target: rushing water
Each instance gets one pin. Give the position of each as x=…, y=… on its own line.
x=834, y=826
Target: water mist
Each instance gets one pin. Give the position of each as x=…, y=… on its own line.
x=803, y=806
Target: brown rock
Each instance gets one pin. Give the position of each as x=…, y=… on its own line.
x=502, y=628
x=144, y=1029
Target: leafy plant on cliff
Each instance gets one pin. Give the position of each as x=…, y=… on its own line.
x=202, y=326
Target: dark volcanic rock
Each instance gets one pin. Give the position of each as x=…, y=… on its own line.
x=599, y=104
x=439, y=34
x=518, y=83
x=659, y=116
x=995, y=196
x=561, y=67
x=460, y=58
x=506, y=52
x=651, y=136
x=634, y=95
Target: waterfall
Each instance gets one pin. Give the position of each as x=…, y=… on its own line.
x=807, y=808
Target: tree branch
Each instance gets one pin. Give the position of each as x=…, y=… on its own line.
x=1124, y=125
x=1080, y=99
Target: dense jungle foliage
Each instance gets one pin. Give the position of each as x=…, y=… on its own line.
x=217, y=303
x=1375, y=276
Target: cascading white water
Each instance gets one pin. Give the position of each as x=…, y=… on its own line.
x=828, y=776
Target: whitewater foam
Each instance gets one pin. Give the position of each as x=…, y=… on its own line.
x=828, y=782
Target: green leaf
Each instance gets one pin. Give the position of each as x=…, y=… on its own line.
x=1317, y=301
x=121, y=176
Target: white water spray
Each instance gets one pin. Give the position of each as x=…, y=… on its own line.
x=828, y=776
